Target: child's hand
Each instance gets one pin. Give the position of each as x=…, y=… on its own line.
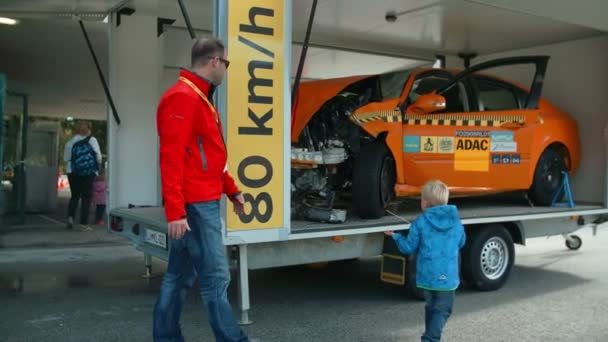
x=389, y=233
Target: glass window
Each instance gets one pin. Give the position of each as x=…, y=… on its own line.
x=455, y=98
x=392, y=83
x=496, y=96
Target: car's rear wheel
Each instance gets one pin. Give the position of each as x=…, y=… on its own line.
x=374, y=177
x=548, y=177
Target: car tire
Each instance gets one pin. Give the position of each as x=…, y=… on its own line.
x=548, y=177
x=488, y=257
x=373, y=183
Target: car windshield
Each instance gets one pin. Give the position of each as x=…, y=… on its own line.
x=392, y=83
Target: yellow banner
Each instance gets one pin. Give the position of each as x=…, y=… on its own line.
x=255, y=110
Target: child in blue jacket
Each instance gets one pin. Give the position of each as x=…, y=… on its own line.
x=435, y=237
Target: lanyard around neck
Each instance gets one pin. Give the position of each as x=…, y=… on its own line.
x=202, y=95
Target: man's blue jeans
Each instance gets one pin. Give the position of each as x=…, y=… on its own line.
x=436, y=313
x=199, y=251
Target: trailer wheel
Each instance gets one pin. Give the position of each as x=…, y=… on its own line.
x=574, y=242
x=374, y=177
x=410, y=279
x=488, y=258
x=547, y=177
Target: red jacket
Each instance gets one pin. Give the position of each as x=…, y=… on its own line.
x=192, y=150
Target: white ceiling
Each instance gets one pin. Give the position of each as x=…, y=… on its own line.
x=48, y=58
x=45, y=6
x=427, y=27
x=50, y=61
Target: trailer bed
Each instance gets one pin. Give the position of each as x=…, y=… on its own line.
x=488, y=207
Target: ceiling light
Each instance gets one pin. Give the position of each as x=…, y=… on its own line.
x=8, y=21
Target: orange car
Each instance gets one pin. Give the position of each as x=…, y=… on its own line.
x=377, y=136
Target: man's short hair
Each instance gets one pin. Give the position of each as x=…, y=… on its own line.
x=435, y=192
x=204, y=49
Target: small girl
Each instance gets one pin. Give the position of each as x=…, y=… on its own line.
x=99, y=196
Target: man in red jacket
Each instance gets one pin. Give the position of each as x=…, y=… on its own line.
x=194, y=177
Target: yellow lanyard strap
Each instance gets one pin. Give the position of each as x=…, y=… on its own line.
x=203, y=96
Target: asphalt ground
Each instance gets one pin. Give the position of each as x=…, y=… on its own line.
x=97, y=293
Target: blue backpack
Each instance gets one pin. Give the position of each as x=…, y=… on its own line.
x=84, y=158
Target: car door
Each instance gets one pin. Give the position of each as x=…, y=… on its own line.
x=490, y=142
x=428, y=141
x=510, y=143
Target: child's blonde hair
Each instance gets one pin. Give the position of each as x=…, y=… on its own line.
x=435, y=192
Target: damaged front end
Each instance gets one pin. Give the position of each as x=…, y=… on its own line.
x=324, y=152
x=322, y=160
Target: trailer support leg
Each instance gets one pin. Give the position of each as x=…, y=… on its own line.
x=243, y=282
x=148, y=266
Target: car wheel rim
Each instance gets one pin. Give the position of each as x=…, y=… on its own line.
x=494, y=258
x=552, y=175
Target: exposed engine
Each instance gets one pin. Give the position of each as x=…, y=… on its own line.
x=323, y=158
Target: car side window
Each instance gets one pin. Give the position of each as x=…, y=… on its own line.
x=455, y=98
x=494, y=95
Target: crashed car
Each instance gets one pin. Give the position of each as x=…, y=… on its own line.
x=376, y=137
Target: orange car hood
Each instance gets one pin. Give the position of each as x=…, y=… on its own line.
x=312, y=95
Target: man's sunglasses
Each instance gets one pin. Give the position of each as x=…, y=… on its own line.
x=223, y=60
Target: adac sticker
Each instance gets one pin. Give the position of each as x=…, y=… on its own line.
x=472, y=154
x=411, y=144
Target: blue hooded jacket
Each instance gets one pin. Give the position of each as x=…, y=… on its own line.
x=436, y=237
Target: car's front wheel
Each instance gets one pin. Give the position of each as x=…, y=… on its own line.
x=548, y=177
x=374, y=177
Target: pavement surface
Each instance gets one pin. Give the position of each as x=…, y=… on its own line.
x=97, y=293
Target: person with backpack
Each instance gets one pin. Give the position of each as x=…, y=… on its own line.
x=82, y=156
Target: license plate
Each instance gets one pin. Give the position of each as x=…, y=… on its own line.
x=155, y=238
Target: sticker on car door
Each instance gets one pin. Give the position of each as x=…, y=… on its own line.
x=472, y=154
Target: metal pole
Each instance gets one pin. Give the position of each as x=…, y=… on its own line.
x=182, y=7
x=296, y=83
x=101, y=77
x=21, y=182
x=148, y=266
x=243, y=282
x=2, y=96
x=26, y=119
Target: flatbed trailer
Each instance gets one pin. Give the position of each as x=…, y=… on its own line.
x=311, y=242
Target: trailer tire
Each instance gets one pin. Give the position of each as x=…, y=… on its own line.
x=374, y=177
x=576, y=243
x=548, y=177
x=488, y=257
